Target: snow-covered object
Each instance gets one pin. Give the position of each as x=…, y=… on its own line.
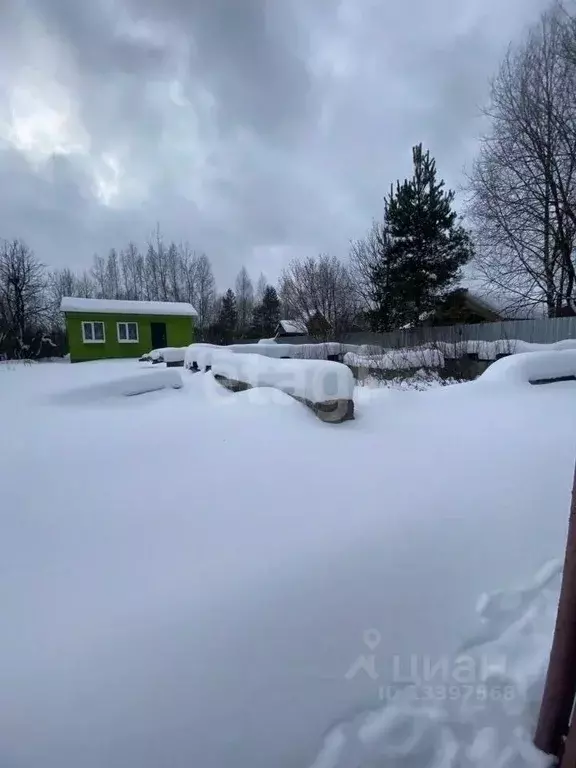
x=120, y=306
x=149, y=381
x=490, y=350
x=530, y=367
x=166, y=355
x=174, y=354
x=269, y=348
x=316, y=381
x=397, y=359
x=201, y=354
x=565, y=344
x=486, y=350
x=156, y=355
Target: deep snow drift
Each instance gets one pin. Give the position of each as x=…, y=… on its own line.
x=198, y=578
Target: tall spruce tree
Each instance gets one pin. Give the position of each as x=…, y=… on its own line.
x=421, y=248
x=228, y=317
x=267, y=314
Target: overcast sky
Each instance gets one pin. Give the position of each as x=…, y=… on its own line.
x=256, y=130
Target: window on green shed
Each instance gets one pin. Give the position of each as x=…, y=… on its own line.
x=127, y=333
x=93, y=332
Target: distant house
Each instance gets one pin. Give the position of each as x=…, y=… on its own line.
x=467, y=307
x=105, y=328
x=291, y=328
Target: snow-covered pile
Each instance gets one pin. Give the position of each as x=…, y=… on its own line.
x=486, y=350
x=203, y=354
x=316, y=381
x=166, y=355
x=533, y=367
x=490, y=350
x=398, y=359
x=148, y=381
x=206, y=579
x=174, y=354
x=266, y=350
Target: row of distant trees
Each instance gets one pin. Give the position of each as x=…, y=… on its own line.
x=30, y=294
x=518, y=235
x=394, y=276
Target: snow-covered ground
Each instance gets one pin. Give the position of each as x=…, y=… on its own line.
x=191, y=577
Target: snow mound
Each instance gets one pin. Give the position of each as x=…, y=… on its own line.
x=151, y=381
x=490, y=350
x=487, y=713
x=267, y=350
x=166, y=355
x=174, y=354
x=486, y=350
x=314, y=380
x=533, y=367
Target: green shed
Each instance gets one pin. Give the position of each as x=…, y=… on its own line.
x=98, y=329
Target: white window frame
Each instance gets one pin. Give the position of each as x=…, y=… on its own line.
x=127, y=340
x=92, y=323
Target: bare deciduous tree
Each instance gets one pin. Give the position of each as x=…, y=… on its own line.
x=261, y=286
x=364, y=258
x=320, y=292
x=523, y=184
x=244, y=300
x=205, y=303
x=61, y=282
x=23, y=295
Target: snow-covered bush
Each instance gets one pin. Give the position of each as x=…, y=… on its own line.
x=420, y=381
x=398, y=359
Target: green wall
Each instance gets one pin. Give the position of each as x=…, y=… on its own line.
x=179, y=333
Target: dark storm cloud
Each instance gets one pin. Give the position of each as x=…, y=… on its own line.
x=250, y=54
x=255, y=130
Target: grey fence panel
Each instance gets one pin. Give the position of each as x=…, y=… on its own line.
x=539, y=331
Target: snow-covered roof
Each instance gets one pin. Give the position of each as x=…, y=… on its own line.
x=120, y=306
x=293, y=326
x=507, y=307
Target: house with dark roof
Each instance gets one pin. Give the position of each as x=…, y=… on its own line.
x=291, y=328
x=466, y=306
